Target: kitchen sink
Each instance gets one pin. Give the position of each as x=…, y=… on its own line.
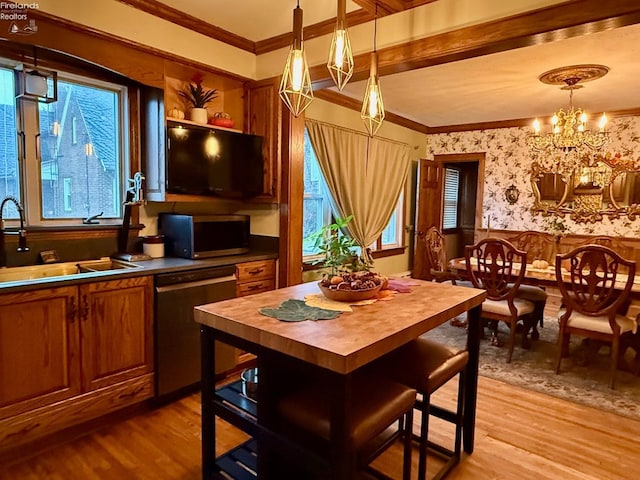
x=16, y=274
x=104, y=266
x=31, y=272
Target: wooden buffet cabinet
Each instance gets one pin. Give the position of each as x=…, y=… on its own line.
x=73, y=353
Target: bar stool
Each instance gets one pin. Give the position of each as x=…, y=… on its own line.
x=426, y=365
x=377, y=403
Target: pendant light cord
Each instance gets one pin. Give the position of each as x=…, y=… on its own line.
x=375, y=27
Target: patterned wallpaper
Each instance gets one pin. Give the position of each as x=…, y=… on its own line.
x=508, y=161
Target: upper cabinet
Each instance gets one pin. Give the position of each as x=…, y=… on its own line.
x=263, y=117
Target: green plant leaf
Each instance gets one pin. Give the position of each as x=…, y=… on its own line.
x=298, y=311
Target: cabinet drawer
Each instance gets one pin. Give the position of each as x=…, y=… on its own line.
x=249, y=288
x=253, y=271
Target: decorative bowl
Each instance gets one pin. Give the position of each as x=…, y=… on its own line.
x=349, y=295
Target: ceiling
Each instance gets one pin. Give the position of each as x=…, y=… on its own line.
x=496, y=87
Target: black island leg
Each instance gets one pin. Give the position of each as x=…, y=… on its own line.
x=207, y=368
x=471, y=379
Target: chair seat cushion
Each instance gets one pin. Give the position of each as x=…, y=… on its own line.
x=598, y=324
x=531, y=293
x=424, y=364
x=376, y=403
x=501, y=307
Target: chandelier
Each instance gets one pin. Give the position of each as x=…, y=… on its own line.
x=569, y=131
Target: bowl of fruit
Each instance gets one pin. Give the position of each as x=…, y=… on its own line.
x=351, y=287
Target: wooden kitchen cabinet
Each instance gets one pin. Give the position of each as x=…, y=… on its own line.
x=39, y=349
x=117, y=333
x=255, y=277
x=263, y=117
x=71, y=354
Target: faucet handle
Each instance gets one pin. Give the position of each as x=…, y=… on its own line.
x=22, y=241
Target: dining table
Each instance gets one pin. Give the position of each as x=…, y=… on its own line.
x=334, y=348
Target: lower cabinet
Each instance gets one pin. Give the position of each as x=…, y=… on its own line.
x=73, y=353
x=255, y=277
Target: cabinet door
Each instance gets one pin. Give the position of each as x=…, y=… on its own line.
x=116, y=331
x=39, y=346
x=263, y=118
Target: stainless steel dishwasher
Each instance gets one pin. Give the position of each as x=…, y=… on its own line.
x=177, y=335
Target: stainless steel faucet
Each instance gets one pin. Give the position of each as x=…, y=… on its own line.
x=22, y=233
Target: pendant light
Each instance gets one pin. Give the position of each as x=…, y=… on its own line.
x=295, y=86
x=340, y=62
x=372, y=107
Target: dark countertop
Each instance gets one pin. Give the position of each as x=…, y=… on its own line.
x=146, y=267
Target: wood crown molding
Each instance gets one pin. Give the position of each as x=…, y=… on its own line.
x=173, y=15
x=353, y=104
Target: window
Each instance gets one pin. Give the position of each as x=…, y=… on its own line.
x=317, y=207
x=66, y=192
x=450, y=208
x=65, y=160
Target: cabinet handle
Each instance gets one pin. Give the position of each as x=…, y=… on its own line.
x=85, y=308
x=256, y=271
x=72, y=310
x=254, y=287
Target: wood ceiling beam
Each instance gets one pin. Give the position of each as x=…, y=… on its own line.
x=389, y=7
x=356, y=17
x=567, y=20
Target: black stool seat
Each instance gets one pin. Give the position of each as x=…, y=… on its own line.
x=376, y=404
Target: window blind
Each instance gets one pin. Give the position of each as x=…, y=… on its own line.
x=451, y=187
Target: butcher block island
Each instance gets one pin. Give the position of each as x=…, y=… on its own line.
x=334, y=349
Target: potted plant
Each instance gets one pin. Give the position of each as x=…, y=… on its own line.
x=349, y=276
x=198, y=97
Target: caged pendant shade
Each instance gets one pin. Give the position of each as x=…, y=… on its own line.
x=340, y=62
x=372, y=112
x=295, y=86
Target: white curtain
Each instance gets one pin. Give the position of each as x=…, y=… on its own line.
x=365, y=177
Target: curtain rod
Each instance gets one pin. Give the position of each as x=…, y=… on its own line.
x=356, y=131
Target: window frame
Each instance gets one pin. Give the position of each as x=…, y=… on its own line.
x=29, y=166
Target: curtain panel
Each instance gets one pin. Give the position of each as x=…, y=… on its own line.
x=365, y=177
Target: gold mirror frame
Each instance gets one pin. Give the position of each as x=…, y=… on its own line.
x=589, y=208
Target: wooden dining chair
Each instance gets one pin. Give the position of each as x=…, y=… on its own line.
x=498, y=267
x=593, y=291
x=539, y=246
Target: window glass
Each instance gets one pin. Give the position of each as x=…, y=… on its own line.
x=92, y=163
x=9, y=172
x=317, y=209
x=451, y=187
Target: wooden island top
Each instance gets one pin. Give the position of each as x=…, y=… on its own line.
x=349, y=341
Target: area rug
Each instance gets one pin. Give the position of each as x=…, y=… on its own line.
x=535, y=368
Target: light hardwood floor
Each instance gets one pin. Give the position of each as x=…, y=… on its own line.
x=520, y=435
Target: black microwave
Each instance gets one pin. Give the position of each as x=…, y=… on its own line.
x=203, y=236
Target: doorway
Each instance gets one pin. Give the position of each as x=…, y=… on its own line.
x=463, y=177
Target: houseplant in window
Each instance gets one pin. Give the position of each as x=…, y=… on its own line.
x=348, y=277
x=198, y=97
